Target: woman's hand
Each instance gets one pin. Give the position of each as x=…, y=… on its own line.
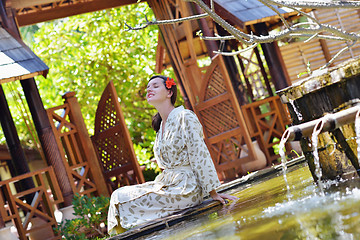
x=222, y=197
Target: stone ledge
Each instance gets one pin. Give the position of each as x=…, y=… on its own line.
x=320, y=79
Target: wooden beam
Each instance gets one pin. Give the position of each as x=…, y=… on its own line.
x=28, y=3
x=67, y=10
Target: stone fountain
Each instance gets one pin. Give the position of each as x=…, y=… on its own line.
x=328, y=92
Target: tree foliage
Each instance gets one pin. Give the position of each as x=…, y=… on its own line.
x=85, y=52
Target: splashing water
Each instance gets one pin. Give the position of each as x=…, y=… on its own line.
x=298, y=114
x=314, y=141
x=357, y=131
x=283, y=162
x=263, y=212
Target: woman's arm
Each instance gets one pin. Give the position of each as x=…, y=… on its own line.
x=222, y=197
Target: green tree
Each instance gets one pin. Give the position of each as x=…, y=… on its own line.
x=85, y=52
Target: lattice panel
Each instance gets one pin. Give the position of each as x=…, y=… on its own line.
x=254, y=78
x=216, y=85
x=108, y=117
x=81, y=176
x=60, y=118
x=113, y=144
x=112, y=150
x=219, y=118
x=223, y=124
x=71, y=149
x=233, y=147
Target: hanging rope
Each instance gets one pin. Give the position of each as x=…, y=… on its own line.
x=24, y=113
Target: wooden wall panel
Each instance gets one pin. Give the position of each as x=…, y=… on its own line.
x=296, y=55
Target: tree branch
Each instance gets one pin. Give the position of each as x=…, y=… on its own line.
x=162, y=22
x=312, y=29
x=318, y=4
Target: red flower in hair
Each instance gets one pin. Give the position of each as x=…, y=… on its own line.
x=169, y=82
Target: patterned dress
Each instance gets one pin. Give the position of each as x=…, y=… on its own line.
x=189, y=175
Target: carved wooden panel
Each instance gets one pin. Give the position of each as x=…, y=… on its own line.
x=113, y=144
x=224, y=125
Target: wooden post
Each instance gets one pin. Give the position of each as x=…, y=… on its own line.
x=47, y=137
x=13, y=142
x=210, y=45
x=263, y=71
x=273, y=59
x=326, y=51
x=232, y=69
x=77, y=119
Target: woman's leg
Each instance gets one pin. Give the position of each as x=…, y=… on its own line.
x=118, y=229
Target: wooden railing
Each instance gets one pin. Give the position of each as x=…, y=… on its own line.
x=266, y=121
x=76, y=148
x=31, y=210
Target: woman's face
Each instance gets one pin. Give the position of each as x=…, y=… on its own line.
x=157, y=92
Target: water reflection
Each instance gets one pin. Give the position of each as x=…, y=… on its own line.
x=264, y=212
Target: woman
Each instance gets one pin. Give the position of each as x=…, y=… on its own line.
x=188, y=171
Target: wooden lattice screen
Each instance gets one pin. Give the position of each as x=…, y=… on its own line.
x=224, y=125
x=76, y=149
x=36, y=215
x=113, y=144
x=254, y=74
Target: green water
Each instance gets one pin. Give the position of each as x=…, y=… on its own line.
x=265, y=210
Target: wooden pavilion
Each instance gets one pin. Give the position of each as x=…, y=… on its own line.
x=232, y=96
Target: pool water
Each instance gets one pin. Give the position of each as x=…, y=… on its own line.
x=266, y=210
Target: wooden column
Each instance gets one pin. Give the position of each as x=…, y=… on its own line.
x=232, y=69
x=210, y=45
x=326, y=51
x=76, y=117
x=18, y=159
x=47, y=137
x=274, y=59
x=263, y=71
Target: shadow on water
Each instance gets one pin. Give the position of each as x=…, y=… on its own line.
x=264, y=211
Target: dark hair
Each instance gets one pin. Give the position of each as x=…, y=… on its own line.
x=156, y=119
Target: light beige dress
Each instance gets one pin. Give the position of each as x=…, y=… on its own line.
x=189, y=175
